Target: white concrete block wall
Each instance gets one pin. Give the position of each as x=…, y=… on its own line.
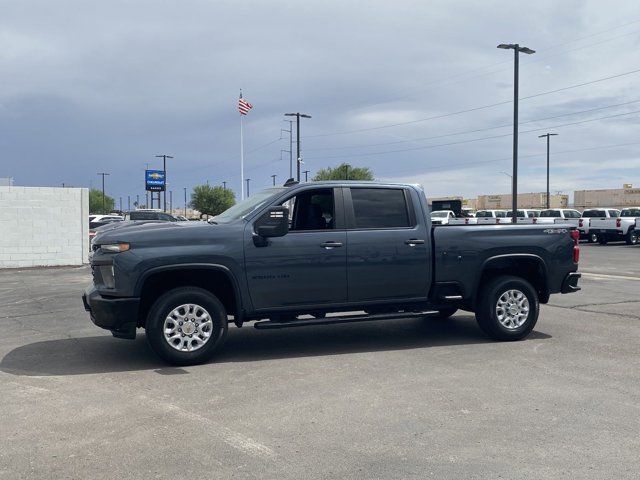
x=43, y=226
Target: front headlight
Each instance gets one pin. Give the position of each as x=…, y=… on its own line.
x=107, y=273
x=114, y=247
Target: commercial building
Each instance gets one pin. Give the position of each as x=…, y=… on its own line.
x=525, y=200
x=627, y=196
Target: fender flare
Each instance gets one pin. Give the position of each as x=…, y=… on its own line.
x=513, y=256
x=191, y=266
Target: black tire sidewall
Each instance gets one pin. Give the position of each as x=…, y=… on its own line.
x=631, y=237
x=487, y=316
x=155, y=325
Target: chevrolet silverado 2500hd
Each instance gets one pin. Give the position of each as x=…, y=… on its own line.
x=319, y=248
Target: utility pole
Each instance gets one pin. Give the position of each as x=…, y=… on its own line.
x=103, y=174
x=224, y=184
x=120, y=203
x=274, y=179
x=299, y=157
x=185, y=202
x=247, y=180
x=516, y=66
x=290, y=131
x=548, y=135
x=346, y=167
x=164, y=169
x=170, y=201
x=129, y=203
x=306, y=173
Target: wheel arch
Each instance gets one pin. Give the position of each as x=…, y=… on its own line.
x=215, y=278
x=528, y=266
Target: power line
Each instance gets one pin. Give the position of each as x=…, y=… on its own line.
x=444, y=115
x=472, y=140
x=495, y=160
x=472, y=131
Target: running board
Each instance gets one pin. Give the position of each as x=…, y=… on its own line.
x=307, y=322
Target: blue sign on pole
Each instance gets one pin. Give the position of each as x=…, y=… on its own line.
x=154, y=180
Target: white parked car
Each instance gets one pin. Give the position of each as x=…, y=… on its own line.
x=491, y=217
x=622, y=227
x=525, y=215
x=442, y=217
x=559, y=215
x=584, y=223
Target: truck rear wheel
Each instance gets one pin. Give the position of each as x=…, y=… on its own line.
x=185, y=326
x=508, y=308
x=592, y=237
x=631, y=238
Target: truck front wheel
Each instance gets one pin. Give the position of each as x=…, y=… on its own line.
x=508, y=308
x=185, y=326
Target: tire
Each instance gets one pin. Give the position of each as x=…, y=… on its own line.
x=191, y=306
x=631, y=238
x=446, y=312
x=508, y=325
x=592, y=238
x=602, y=239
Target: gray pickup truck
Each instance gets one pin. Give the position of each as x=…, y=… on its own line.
x=309, y=254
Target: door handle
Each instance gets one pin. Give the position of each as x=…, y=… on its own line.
x=412, y=242
x=330, y=245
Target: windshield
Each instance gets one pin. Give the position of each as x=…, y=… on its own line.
x=248, y=205
x=439, y=214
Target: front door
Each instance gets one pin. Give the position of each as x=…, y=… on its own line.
x=307, y=266
x=387, y=249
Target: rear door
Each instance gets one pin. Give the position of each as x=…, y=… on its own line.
x=387, y=246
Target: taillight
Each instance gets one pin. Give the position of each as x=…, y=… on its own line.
x=580, y=223
x=575, y=235
x=618, y=222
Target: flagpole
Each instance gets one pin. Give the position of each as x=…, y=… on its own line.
x=241, y=162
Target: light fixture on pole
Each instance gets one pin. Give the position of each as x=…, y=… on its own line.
x=273, y=177
x=299, y=157
x=306, y=175
x=514, y=183
x=548, y=135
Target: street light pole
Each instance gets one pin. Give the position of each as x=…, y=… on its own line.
x=104, y=174
x=290, y=131
x=224, y=185
x=185, y=202
x=247, y=180
x=548, y=135
x=164, y=169
x=514, y=188
x=274, y=179
x=298, y=115
x=306, y=173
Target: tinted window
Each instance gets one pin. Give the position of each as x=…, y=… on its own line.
x=143, y=216
x=631, y=212
x=379, y=208
x=550, y=213
x=571, y=214
x=484, y=214
x=311, y=210
x=614, y=213
x=519, y=214
x=501, y=214
x=594, y=213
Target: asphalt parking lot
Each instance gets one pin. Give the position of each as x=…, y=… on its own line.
x=397, y=399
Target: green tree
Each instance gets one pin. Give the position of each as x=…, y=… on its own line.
x=344, y=171
x=211, y=200
x=95, y=202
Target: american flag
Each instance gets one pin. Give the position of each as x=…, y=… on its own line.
x=243, y=106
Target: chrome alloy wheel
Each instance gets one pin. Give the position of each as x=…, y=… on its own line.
x=512, y=309
x=188, y=327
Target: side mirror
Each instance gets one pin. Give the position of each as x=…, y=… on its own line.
x=273, y=223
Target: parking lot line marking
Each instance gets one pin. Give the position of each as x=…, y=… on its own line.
x=230, y=437
x=607, y=276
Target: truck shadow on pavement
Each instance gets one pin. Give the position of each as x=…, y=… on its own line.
x=104, y=354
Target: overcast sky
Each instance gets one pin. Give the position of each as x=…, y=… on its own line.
x=90, y=86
